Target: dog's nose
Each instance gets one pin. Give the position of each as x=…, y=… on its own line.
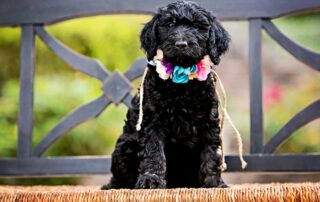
x=181, y=44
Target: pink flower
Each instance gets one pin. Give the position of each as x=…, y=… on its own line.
x=203, y=68
x=272, y=94
x=162, y=70
x=159, y=55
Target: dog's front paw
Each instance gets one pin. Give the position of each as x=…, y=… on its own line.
x=107, y=186
x=150, y=181
x=214, y=181
x=222, y=185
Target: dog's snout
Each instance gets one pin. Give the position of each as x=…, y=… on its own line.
x=181, y=44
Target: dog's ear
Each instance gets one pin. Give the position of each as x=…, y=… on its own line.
x=148, y=38
x=219, y=40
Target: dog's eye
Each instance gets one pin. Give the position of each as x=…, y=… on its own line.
x=167, y=24
x=171, y=23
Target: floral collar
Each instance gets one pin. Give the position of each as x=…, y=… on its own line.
x=180, y=74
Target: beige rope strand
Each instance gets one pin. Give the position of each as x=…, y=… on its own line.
x=239, y=141
x=138, y=126
x=223, y=165
x=226, y=114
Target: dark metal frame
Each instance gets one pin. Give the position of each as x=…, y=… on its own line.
x=33, y=15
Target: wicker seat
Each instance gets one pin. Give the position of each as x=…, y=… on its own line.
x=246, y=192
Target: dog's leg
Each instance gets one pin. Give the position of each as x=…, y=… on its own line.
x=153, y=165
x=210, y=171
x=124, y=166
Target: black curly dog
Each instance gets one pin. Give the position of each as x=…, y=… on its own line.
x=179, y=143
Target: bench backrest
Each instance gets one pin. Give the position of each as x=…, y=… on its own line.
x=33, y=15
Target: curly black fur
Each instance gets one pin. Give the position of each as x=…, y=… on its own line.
x=178, y=144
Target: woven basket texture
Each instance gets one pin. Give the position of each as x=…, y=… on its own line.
x=276, y=192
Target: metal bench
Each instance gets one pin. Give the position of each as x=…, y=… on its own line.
x=33, y=15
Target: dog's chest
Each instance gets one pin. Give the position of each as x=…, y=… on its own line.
x=184, y=117
x=183, y=110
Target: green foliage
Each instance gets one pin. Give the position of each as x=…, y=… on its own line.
x=277, y=114
x=51, y=104
x=9, y=54
x=114, y=40
x=303, y=29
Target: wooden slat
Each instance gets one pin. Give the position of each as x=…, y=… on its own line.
x=15, y=12
x=25, y=127
x=58, y=166
x=255, y=74
x=90, y=66
x=276, y=163
x=85, y=165
x=304, y=55
x=305, y=116
x=76, y=117
x=136, y=69
x=127, y=100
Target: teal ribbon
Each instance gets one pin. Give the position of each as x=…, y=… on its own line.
x=181, y=75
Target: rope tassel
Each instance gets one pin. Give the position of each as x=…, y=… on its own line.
x=138, y=126
x=237, y=133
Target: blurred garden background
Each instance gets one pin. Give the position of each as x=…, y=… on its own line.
x=289, y=86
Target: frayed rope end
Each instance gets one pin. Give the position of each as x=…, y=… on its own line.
x=226, y=114
x=138, y=127
x=223, y=166
x=243, y=164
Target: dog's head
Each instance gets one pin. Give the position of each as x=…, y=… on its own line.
x=186, y=33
